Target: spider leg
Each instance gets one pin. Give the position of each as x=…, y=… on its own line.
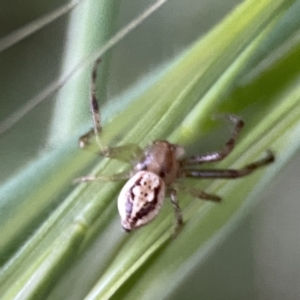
x=177, y=211
x=130, y=152
x=199, y=193
x=230, y=173
x=84, y=139
x=114, y=177
x=217, y=156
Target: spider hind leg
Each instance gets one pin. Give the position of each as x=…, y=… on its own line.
x=230, y=173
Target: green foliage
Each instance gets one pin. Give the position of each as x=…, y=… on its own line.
x=60, y=241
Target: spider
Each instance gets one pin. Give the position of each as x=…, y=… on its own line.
x=156, y=168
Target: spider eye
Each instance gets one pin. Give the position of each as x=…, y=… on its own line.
x=140, y=199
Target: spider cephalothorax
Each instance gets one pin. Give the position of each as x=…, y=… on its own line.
x=162, y=158
x=160, y=164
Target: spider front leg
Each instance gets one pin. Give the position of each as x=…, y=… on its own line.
x=217, y=156
x=127, y=153
x=230, y=173
x=94, y=107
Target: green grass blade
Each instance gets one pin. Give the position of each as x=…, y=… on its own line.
x=186, y=92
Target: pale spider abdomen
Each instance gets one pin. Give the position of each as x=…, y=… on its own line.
x=140, y=199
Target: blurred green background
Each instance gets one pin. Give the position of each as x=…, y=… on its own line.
x=257, y=256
